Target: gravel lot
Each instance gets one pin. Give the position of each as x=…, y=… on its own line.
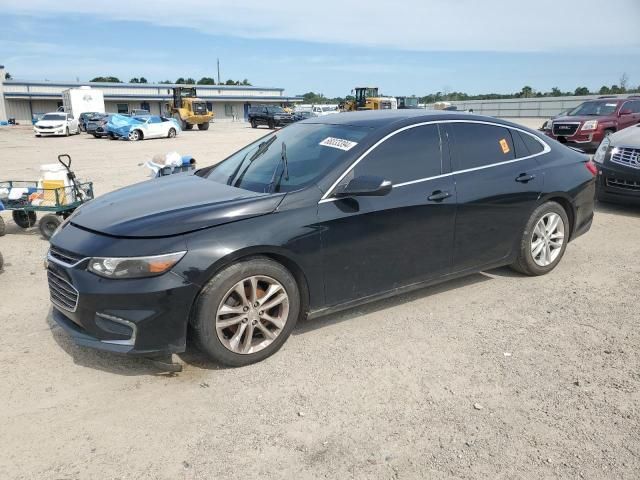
x=492, y=376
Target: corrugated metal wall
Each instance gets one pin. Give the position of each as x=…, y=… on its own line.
x=544, y=107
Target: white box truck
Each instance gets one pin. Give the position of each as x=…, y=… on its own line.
x=76, y=101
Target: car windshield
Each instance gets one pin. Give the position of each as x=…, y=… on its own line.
x=594, y=108
x=310, y=149
x=328, y=109
x=53, y=116
x=275, y=109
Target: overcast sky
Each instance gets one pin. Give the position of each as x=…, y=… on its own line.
x=404, y=47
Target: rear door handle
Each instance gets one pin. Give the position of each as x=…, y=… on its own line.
x=524, y=178
x=438, y=196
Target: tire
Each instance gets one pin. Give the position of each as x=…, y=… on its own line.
x=254, y=124
x=526, y=262
x=1, y=262
x=188, y=126
x=172, y=133
x=96, y=136
x=135, y=135
x=24, y=219
x=112, y=137
x=66, y=132
x=48, y=225
x=218, y=290
x=271, y=125
x=203, y=126
x=3, y=227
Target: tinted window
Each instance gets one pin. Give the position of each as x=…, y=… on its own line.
x=408, y=155
x=155, y=120
x=477, y=145
x=311, y=151
x=520, y=148
x=533, y=145
x=633, y=106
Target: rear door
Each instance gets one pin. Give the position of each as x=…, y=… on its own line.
x=498, y=183
x=375, y=244
x=634, y=117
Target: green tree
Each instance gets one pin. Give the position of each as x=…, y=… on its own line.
x=604, y=90
x=206, y=81
x=165, y=82
x=143, y=80
x=246, y=82
x=230, y=82
x=106, y=80
x=180, y=81
x=190, y=81
x=7, y=76
x=555, y=92
x=134, y=80
x=581, y=91
x=526, y=92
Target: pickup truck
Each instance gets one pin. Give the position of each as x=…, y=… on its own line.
x=270, y=115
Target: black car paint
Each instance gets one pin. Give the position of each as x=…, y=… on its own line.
x=342, y=251
x=608, y=173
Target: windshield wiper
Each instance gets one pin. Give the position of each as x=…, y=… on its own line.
x=263, y=147
x=285, y=170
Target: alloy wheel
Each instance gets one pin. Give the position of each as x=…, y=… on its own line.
x=547, y=239
x=252, y=314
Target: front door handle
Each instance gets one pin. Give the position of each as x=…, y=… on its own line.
x=524, y=178
x=438, y=196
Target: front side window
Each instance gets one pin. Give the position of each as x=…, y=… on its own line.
x=412, y=154
x=311, y=150
x=478, y=145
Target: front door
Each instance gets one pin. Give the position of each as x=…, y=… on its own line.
x=376, y=244
x=498, y=186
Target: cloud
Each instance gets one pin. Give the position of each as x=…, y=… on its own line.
x=416, y=25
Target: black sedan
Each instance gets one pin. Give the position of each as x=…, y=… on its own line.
x=320, y=216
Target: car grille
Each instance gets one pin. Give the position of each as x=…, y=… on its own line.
x=565, y=129
x=64, y=256
x=61, y=292
x=629, y=157
x=46, y=128
x=626, y=184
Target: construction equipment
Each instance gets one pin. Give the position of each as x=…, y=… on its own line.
x=367, y=98
x=407, y=102
x=188, y=109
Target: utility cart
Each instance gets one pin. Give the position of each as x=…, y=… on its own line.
x=57, y=198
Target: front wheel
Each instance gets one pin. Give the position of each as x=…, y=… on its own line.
x=134, y=135
x=254, y=124
x=48, y=225
x=203, y=126
x=246, y=312
x=172, y=133
x=544, y=240
x=66, y=132
x=24, y=219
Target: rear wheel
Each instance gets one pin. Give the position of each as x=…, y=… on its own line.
x=3, y=227
x=24, y=219
x=172, y=133
x=271, y=125
x=48, y=225
x=96, y=136
x=254, y=124
x=112, y=137
x=544, y=240
x=246, y=312
x=203, y=126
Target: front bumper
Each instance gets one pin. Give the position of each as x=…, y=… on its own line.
x=618, y=183
x=49, y=131
x=584, y=140
x=145, y=317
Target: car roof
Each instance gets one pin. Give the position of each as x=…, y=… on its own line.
x=381, y=118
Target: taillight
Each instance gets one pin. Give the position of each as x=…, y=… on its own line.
x=591, y=167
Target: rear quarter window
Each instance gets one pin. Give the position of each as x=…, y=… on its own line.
x=533, y=145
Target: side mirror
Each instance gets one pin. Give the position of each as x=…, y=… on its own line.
x=365, y=185
x=625, y=111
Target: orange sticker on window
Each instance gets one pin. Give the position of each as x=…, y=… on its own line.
x=504, y=145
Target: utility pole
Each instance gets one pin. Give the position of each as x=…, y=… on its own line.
x=219, y=79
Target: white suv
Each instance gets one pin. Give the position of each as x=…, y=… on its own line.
x=56, y=123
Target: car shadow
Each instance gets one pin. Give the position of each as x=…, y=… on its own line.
x=192, y=357
x=618, y=209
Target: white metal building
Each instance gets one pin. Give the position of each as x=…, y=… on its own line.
x=20, y=99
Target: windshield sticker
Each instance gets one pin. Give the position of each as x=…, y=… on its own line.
x=339, y=143
x=504, y=145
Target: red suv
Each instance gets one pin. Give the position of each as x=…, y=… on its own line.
x=586, y=125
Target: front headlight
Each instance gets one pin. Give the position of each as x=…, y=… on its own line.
x=134, y=267
x=590, y=125
x=602, y=150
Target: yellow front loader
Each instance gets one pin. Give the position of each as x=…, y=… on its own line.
x=368, y=98
x=188, y=109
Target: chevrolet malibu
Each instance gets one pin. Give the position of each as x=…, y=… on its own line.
x=320, y=216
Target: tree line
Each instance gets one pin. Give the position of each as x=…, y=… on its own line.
x=179, y=81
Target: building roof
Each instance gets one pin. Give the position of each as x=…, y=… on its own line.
x=137, y=85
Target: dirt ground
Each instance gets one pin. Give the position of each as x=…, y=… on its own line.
x=492, y=376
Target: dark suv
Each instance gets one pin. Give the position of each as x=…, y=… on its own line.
x=270, y=115
x=586, y=125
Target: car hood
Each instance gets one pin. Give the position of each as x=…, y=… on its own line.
x=171, y=205
x=627, y=137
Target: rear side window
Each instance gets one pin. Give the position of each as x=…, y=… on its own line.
x=533, y=145
x=477, y=145
x=412, y=154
